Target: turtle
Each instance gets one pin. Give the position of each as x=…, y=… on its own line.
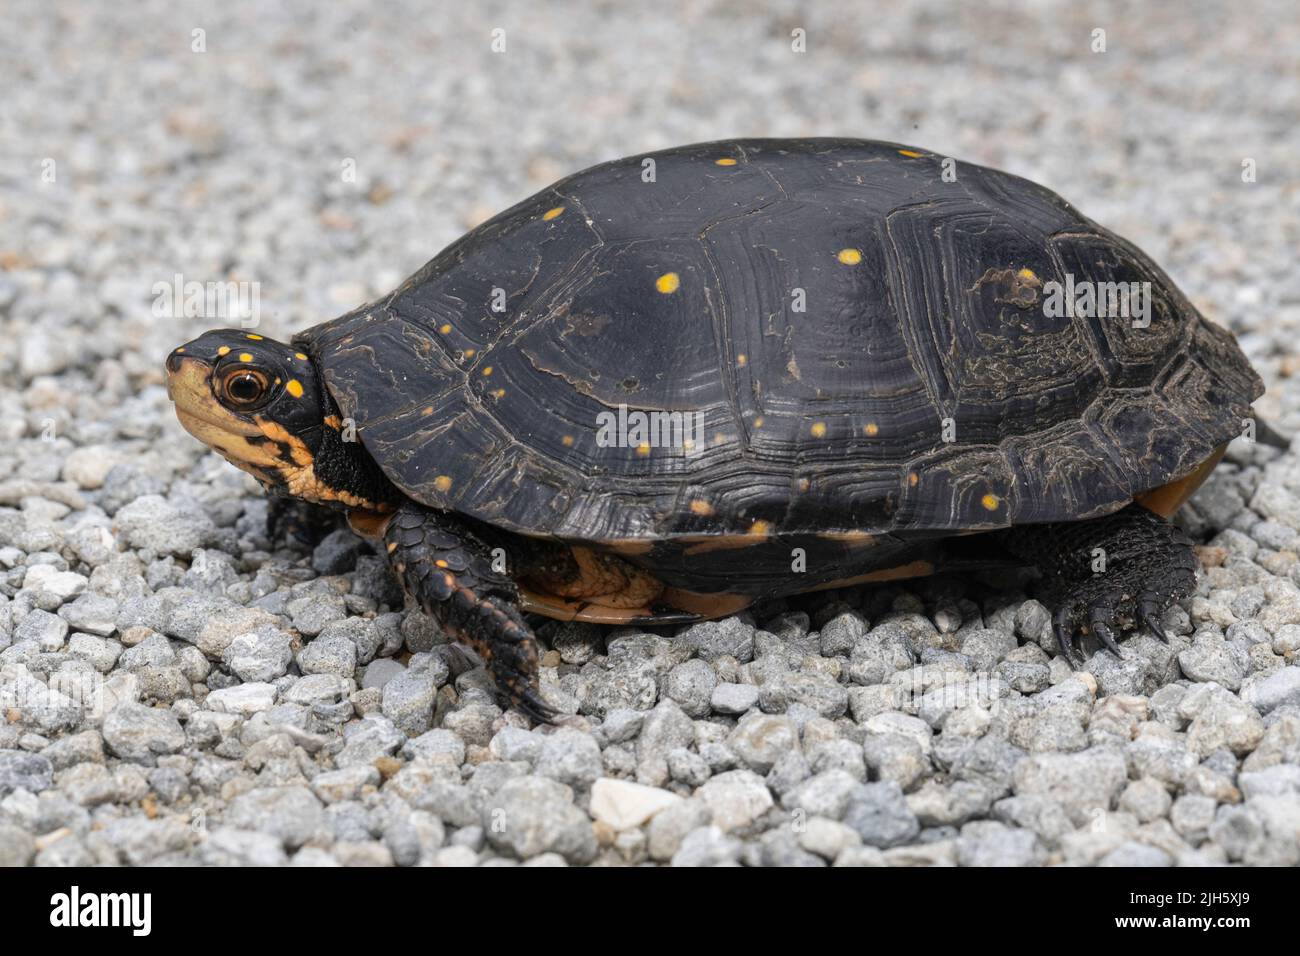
x=675, y=383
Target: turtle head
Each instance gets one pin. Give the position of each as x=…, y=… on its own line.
x=261, y=405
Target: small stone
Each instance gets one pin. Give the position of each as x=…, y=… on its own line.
x=729, y=637
x=136, y=732
x=733, y=698
x=260, y=655
x=291, y=814
x=529, y=816
x=345, y=784
x=759, y=739
x=332, y=654
x=243, y=699
x=24, y=771
x=622, y=804
x=570, y=756
x=691, y=684
x=707, y=846
x=879, y=813
x=735, y=798
x=152, y=523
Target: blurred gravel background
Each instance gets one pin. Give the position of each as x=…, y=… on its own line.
x=174, y=690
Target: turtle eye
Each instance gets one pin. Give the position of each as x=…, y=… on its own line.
x=243, y=387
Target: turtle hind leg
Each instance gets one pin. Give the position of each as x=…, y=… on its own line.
x=448, y=570
x=1110, y=573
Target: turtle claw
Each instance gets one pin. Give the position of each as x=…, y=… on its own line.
x=1101, y=628
x=1149, y=615
x=529, y=703
x=1064, y=631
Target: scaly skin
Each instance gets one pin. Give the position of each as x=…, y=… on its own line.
x=1149, y=564
x=447, y=569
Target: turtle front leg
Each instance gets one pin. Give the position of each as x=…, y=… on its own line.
x=1108, y=573
x=447, y=568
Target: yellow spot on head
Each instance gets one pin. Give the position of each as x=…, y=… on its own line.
x=643, y=448
x=224, y=350
x=724, y=161
x=180, y=350
x=299, y=356
x=442, y=483
x=850, y=257
x=445, y=328
x=819, y=430
x=871, y=428
x=991, y=502
x=245, y=357
x=567, y=441
x=254, y=337
x=552, y=213
x=293, y=387
x=760, y=527
x=668, y=282
x=909, y=153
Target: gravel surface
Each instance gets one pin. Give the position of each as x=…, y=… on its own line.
x=177, y=688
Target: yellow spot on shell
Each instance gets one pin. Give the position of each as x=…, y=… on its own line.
x=871, y=428
x=702, y=508
x=909, y=153
x=1027, y=273
x=180, y=350
x=991, y=502
x=469, y=353
x=742, y=360
x=442, y=483
x=445, y=328
x=299, y=356
x=245, y=357
x=567, y=441
x=487, y=370
x=760, y=527
x=499, y=393
x=724, y=161
x=819, y=430
x=254, y=337
x=224, y=350
x=293, y=387
x=668, y=282
x=427, y=410
x=643, y=448
x=758, y=422
x=441, y=563
x=552, y=213
x=850, y=257
x=913, y=478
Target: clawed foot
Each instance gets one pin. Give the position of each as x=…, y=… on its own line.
x=1105, y=609
x=1109, y=574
